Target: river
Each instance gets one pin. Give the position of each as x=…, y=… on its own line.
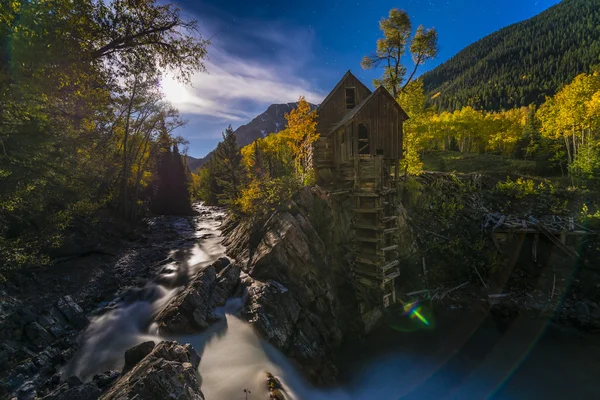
x=462, y=357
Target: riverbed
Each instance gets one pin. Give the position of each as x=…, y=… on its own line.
x=462, y=356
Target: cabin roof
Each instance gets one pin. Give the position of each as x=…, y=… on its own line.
x=379, y=91
x=347, y=74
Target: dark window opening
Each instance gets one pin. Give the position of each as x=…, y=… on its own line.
x=350, y=98
x=363, y=139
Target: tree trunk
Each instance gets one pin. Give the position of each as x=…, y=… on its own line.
x=569, y=159
x=125, y=136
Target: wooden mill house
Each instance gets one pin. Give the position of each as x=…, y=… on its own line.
x=358, y=154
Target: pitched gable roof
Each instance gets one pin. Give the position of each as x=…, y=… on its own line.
x=379, y=91
x=336, y=87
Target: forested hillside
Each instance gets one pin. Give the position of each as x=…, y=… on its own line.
x=522, y=63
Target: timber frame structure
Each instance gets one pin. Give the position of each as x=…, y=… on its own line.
x=358, y=154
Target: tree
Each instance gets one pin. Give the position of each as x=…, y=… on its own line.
x=416, y=129
x=397, y=38
x=78, y=129
x=301, y=133
x=227, y=165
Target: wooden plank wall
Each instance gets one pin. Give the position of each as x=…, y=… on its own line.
x=385, y=131
x=333, y=110
x=385, y=126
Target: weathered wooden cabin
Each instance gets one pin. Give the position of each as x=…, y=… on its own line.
x=358, y=154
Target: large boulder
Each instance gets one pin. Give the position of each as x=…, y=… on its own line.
x=136, y=354
x=168, y=372
x=273, y=311
x=191, y=310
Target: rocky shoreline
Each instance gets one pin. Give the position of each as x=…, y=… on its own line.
x=44, y=311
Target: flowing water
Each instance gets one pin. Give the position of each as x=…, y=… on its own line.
x=465, y=358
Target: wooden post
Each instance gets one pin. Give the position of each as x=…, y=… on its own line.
x=534, y=247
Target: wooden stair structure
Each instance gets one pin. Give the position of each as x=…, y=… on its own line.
x=375, y=261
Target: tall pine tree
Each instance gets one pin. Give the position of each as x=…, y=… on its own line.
x=228, y=170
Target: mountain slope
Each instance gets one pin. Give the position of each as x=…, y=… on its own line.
x=271, y=121
x=522, y=63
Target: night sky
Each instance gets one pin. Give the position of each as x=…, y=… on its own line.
x=266, y=52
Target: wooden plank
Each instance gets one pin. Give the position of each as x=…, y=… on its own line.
x=390, y=230
x=366, y=194
x=390, y=248
x=370, y=261
x=387, y=219
x=367, y=210
x=391, y=276
x=390, y=265
x=368, y=273
x=368, y=226
x=569, y=251
x=366, y=239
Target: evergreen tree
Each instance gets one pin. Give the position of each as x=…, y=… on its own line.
x=521, y=64
x=227, y=168
x=171, y=195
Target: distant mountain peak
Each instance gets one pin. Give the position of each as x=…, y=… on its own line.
x=272, y=120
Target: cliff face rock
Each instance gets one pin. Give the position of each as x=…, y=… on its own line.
x=192, y=310
x=168, y=372
x=300, y=297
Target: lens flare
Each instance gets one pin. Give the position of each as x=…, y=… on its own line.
x=414, y=310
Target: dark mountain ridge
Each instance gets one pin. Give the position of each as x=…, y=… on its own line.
x=522, y=63
x=271, y=121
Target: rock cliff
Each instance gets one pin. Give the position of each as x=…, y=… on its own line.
x=300, y=295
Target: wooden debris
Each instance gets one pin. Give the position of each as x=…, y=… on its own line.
x=480, y=278
x=499, y=295
x=417, y=292
x=452, y=290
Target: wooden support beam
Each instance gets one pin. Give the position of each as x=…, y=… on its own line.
x=367, y=210
x=371, y=261
x=390, y=230
x=366, y=194
x=368, y=226
x=391, y=276
x=366, y=239
x=554, y=240
x=389, y=248
x=390, y=265
x=388, y=219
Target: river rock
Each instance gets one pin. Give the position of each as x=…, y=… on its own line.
x=168, y=372
x=136, y=354
x=191, y=309
x=88, y=391
x=227, y=280
x=274, y=311
x=72, y=312
x=38, y=335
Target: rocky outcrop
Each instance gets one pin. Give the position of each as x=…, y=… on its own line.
x=192, y=310
x=136, y=354
x=168, y=372
x=300, y=297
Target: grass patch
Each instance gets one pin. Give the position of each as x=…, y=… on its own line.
x=455, y=161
